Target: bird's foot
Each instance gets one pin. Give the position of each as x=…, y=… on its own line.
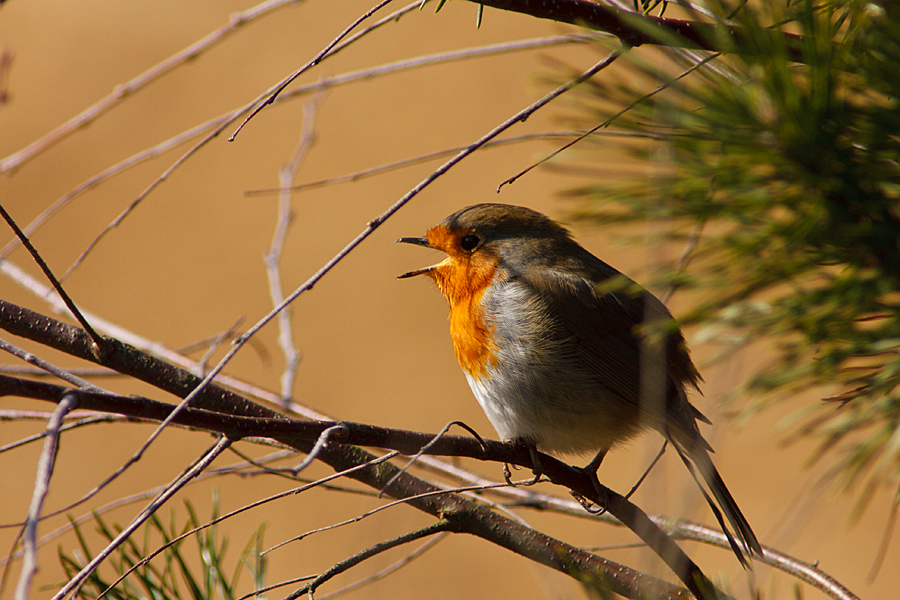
x=589, y=505
x=535, y=465
x=590, y=470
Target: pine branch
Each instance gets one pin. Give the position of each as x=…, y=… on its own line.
x=635, y=29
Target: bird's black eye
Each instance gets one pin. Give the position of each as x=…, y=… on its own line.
x=469, y=242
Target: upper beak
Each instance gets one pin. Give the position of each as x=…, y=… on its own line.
x=418, y=241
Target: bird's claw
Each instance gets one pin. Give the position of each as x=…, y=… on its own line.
x=588, y=505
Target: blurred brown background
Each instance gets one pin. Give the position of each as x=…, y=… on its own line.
x=188, y=263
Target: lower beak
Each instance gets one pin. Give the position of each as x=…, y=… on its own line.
x=416, y=272
x=417, y=242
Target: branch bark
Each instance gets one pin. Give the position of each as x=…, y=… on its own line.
x=635, y=29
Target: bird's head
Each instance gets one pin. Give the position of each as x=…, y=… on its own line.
x=485, y=241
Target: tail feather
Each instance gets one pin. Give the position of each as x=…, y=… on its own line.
x=699, y=460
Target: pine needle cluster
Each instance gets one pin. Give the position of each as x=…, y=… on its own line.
x=789, y=170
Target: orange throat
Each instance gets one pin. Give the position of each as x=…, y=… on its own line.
x=463, y=284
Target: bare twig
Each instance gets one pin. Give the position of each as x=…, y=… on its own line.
x=41, y=487
x=317, y=448
x=217, y=448
x=273, y=257
x=441, y=153
x=214, y=344
x=378, y=509
x=258, y=592
x=369, y=552
x=343, y=473
x=391, y=569
x=39, y=372
x=270, y=98
x=127, y=89
x=82, y=422
x=47, y=367
x=98, y=341
x=641, y=479
x=608, y=121
x=427, y=446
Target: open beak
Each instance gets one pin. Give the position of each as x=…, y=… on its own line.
x=420, y=241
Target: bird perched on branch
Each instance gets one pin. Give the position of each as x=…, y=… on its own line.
x=564, y=353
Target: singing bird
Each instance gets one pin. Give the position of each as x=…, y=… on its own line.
x=564, y=353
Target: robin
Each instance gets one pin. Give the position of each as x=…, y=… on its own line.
x=564, y=353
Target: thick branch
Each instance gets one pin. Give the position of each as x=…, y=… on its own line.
x=635, y=29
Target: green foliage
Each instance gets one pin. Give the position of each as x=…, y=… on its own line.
x=790, y=170
x=175, y=574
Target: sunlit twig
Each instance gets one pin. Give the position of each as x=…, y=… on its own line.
x=41, y=487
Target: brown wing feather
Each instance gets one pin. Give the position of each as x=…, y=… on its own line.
x=604, y=325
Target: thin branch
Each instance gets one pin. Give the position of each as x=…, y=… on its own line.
x=260, y=591
x=217, y=448
x=273, y=257
x=422, y=451
x=215, y=343
x=313, y=62
x=41, y=487
x=391, y=569
x=349, y=471
x=83, y=422
x=374, y=550
x=127, y=89
x=39, y=372
x=407, y=162
x=378, y=509
x=321, y=442
x=608, y=121
x=47, y=367
x=98, y=341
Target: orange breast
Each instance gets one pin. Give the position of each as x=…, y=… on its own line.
x=473, y=340
x=463, y=280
